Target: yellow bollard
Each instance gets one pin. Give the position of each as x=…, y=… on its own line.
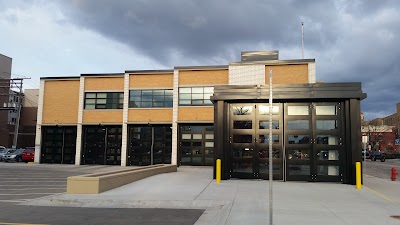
x=358, y=175
x=218, y=171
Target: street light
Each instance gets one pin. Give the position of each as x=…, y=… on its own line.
x=270, y=148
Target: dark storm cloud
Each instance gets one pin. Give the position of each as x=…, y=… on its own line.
x=200, y=29
x=351, y=40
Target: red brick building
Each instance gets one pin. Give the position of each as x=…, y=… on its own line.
x=381, y=137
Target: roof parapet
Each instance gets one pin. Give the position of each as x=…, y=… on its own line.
x=254, y=56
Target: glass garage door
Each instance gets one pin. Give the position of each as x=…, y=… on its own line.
x=314, y=141
x=149, y=145
x=307, y=141
x=249, y=141
x=58, y=145
x=196, y=145
x=102, y=145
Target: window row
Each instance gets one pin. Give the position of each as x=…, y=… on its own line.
x=292, y=124
x=292, y=139
x=154, y=98
x=329, y=110
x=150, y=98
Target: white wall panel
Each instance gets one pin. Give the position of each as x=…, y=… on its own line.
x=39, y=119
x=174, y=154
x=79, y=126
x=246, y=74
x=312, y=77
x=124, y=146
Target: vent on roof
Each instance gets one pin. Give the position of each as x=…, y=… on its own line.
x=259, y=56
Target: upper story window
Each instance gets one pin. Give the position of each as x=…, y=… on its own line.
x=155, y=98
x=195, y=95
x=104, y=100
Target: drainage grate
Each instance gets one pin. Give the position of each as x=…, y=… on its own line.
x=396, y=217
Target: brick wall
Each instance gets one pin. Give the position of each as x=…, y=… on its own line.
x=61, y=102
x=287, y=74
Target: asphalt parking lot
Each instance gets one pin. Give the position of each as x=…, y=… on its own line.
x=382, y=169
x=21, y=185
x=21, y=182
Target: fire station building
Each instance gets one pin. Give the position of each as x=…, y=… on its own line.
x=197, y=114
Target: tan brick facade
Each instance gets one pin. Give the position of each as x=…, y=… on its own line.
x=104, y=83
x=98, y=116
x=196, y=114
x=287, y=74
x=150, y=115
x=64, y=98
x=61, y=102
x=151, y=81
x=204, y=77
x=54, y=109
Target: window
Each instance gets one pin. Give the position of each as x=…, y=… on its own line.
x=264, y=110
x=242, y=110
x=104, y=100
x=264, y=138
x=298, y=139
x=298, y=110
x=150, y=98
x=298, y=125
x=265, y=124
x=327, y=140
x=329, y=110
x=243, y=124
x=195, y=95
x=327, y=124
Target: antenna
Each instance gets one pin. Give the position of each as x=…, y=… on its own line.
x=302, y=39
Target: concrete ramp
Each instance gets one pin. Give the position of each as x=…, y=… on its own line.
x=100, y=182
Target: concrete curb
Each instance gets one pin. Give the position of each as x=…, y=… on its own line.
x=62, y=200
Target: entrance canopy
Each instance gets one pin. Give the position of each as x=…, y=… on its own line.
x=316, y=131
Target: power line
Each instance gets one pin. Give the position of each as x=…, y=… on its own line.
x=19, y=75
x=33, y=81
x=32, y=103
x=32, y=85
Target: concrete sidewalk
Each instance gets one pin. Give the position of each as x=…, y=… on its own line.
x=234, y=202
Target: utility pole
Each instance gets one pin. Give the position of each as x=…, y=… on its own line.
x=16, y=126
x=10, y=84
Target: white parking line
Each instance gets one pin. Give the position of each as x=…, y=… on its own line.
x=28, y=194
x=27, y=185
x=35, y=174
x=31, y=178
x=27, y=189
x=56, y=181
x=15, y=200
x=40, y=174
x=5, y=223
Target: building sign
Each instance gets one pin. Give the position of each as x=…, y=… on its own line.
x=397, y=142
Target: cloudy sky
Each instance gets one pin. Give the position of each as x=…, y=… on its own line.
x=350, y=40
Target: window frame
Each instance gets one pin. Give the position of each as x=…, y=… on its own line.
x=191, y=96
x=112, y=100
x=151, y=98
